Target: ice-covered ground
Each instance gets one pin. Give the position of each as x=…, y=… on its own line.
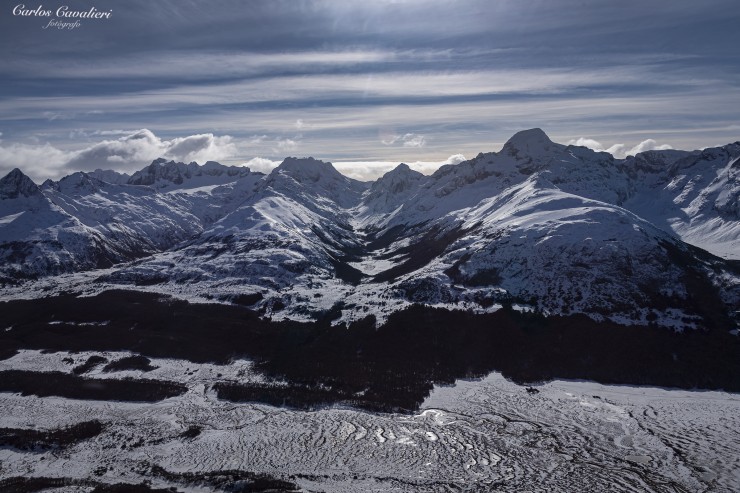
x=483, y=435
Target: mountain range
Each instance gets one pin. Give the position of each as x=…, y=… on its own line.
x=653, y=239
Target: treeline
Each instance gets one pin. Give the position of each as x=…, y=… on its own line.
x=391, y=367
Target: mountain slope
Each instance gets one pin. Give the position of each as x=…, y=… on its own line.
x=163, y=174
x=549, y=226
x=82, y=223
x=696, y=195
x=293, y=230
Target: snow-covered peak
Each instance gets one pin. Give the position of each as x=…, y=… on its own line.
x=79, y=184
x=170, y=174
x=655, y=162
x=531, y=142
x=312, y=177
x=390, y=191
x=307, y=169
x=397, y=180
x=16, y=184
x=402, y=170
x=213, y=168
x=160, y=170
x=110, y=176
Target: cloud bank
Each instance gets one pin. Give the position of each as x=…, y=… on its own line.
x=134, y=149
x=130, y=152
x=620, y=151
x=372, y=170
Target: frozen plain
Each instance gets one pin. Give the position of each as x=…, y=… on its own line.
x=478, y=435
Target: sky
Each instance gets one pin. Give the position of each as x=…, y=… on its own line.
x=363, y=84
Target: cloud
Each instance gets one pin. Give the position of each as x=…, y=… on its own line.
x=407, y=140
x=203, y=65
x=256, y=140
x=201, y=148
x=372, y=170
x=83, y=133
x=51, y=115
x=414, y=140
x=455, y=159
x=112, y=132
x=37, y=161
x=283, y=146
x=273, y=146
x=429, y=167
x=584, y=142
x=388, y=139
x=620, y=151
x=364, y=170
x=263, y=165
x=343, y=89
x=130, y=152
x=648, y=145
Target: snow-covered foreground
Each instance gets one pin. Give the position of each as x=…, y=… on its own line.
x=485, y=435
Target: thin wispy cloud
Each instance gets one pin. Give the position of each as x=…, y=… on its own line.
x=284, y=146
x=206, y=65
x=351, y=90
x=406, y=140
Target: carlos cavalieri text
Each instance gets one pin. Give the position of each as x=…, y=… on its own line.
x=63, y=11
x=62, y=14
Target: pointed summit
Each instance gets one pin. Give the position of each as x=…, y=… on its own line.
x=311, y=177
x=532, y=141
x=402, y=170
x=16, y=184
x=400, y=178
x=393, y=189
x=79, y=183
x=307, y=169
x=160, y=169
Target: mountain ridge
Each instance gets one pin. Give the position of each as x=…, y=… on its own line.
x=543, y=226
